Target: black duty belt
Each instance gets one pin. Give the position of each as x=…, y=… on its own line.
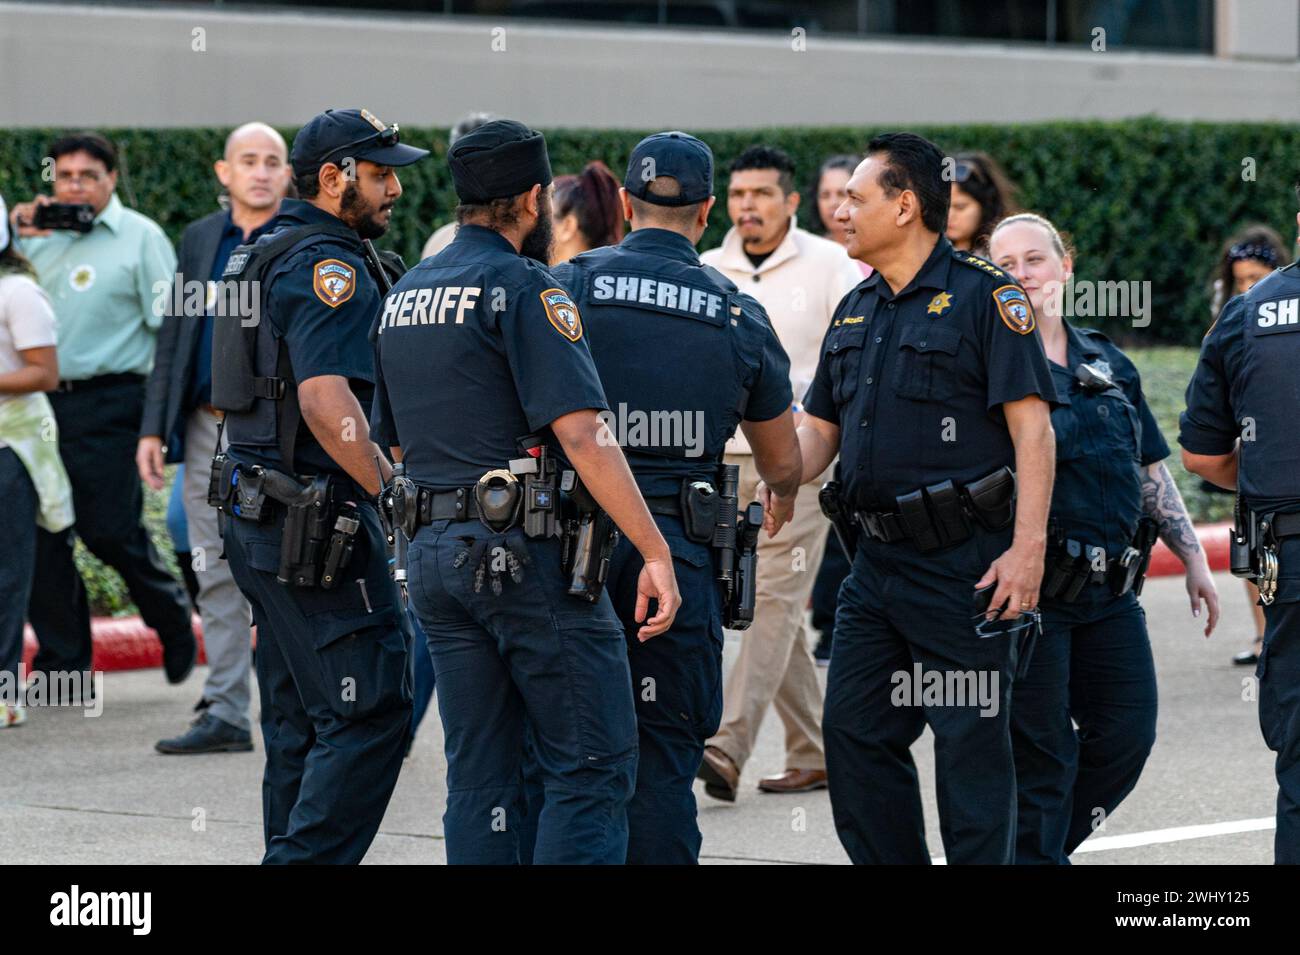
x=945, y=513
x=1286, y=525
x=454, y=505
x=664, y=506
x=99, y=381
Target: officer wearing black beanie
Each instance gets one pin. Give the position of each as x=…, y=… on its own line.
x=485, y=383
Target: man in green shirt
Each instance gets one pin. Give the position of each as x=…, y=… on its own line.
x=109, y=288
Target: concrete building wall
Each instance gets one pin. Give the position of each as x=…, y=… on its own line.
x=73, y=65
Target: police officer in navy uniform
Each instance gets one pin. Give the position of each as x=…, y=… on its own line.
x=331, y=660
x=1112, y=497
x=931, y=387
x=1239, y=431
x=484, y=376
x=717, y=364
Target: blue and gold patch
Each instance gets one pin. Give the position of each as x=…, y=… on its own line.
x=562, y=313
x=333, y=281
x=1017, y=314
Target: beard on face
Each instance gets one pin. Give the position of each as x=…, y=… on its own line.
x=537, y=243
x=361, y=215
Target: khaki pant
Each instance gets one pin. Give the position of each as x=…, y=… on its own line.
x=775, y=666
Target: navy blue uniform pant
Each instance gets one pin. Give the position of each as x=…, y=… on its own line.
x=1092, y=666
x=677, y=681
x=906, y=655
x=333, y=676
x=1279, y=719
x=532, y=661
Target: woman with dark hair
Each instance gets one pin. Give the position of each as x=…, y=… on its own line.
x=1252, y=253
x=33, y=485
x=586, y=212
x=982, y=195
x=827, y=191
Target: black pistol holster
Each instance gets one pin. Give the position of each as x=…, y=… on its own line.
x=555, y=504
x=711, y=515
x=831, y=501
x=1072, y=565
x=587, y=544
x=735, y=542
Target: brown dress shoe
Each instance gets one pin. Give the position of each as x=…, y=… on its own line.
x=720, y=775
x=794, y=781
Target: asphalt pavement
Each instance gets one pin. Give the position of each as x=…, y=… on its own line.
x=92, y=790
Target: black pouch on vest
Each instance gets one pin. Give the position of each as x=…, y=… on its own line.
x=993, y=499
x=699, y=510
x=945, y=504
x=916, y=517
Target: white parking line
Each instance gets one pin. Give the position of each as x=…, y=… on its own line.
x=1176, y=834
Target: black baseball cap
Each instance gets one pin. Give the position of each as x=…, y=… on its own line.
x=677, y=154
x=337, y=134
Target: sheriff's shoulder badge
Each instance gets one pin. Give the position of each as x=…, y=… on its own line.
x=563, y=313
x=333, y=281
x=1017, y=314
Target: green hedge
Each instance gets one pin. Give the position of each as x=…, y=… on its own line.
x=1145, y=200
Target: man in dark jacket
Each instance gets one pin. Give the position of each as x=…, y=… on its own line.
x=180, y=426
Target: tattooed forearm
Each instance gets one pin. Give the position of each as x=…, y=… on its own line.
x=1162, y=502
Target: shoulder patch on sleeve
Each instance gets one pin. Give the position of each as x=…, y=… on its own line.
x=333, y=281
x=1017, y=314
x=562, y=313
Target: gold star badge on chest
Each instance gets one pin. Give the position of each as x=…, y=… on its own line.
x=939, y=303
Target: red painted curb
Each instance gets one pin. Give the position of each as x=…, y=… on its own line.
x=125, y=643
x=1214, y=540
x=120, y=643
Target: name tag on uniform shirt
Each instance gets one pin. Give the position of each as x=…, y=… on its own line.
x=429, y=306
x=660, y=295
x=1279, y=315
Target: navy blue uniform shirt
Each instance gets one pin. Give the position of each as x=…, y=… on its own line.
x=322, y=301
x=232, y=236
x=1247, y=386
x=476, y=347
x=915, y=381
x=682, y=354
x=1103, y=438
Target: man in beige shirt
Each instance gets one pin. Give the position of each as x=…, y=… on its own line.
x=799, y=278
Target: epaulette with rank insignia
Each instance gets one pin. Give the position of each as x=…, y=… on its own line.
x=967, y=258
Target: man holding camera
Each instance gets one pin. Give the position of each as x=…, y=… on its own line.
x=105, y=268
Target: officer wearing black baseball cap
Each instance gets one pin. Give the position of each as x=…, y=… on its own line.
x=518, y=653
x=296, y=383
x=650, y=293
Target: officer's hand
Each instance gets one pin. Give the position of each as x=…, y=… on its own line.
x=657, y=582
x=777, y=510
x=21, y=215
x=1019, y=573
x=149, y=461
x=1200, y=586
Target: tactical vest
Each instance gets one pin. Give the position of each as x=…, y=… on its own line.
x=252, y=378
x=646, y=388
x=1266, y=390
